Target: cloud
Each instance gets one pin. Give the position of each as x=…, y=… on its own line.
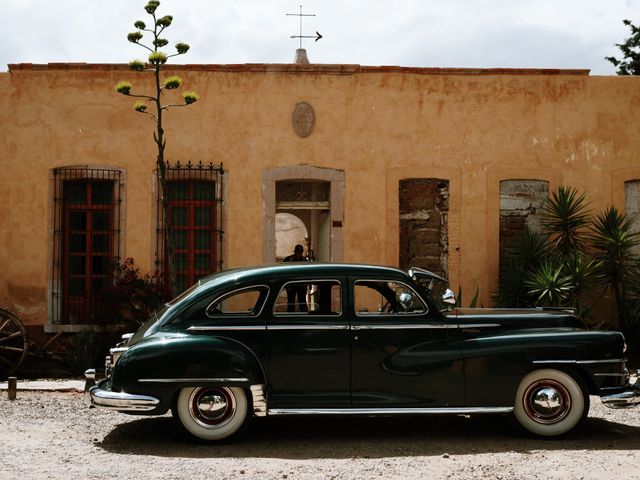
x=455, y=33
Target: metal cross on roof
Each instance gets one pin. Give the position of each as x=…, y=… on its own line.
x=317, y=36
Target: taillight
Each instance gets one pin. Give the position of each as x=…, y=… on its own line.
x=116, y=353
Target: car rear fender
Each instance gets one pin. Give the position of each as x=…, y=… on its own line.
x=171, y=363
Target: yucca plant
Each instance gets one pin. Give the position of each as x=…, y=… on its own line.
x=531, y=249
x=581, y=254
x=512, y=291
x=583, y=271
x=613, y=239
x=632, y=289
x=566, y=217
x=553, y=268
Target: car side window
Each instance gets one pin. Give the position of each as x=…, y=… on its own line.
x=383, y=297
x=247, y=301
x=311, y=297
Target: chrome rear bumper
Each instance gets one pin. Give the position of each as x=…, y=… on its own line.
x=102, y=396
x=629, y=397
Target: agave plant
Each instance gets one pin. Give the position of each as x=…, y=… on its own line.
x=549, y=285
x=154, y=106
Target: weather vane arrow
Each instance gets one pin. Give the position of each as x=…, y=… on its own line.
x=317, y=36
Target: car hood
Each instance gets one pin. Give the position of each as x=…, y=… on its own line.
x=516, y=317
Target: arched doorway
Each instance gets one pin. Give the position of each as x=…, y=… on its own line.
x=315, y=197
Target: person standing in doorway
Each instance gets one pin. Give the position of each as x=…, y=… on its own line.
x=297, y=294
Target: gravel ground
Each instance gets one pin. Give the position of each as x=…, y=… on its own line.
x=53, y=435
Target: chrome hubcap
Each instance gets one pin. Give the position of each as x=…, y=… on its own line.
x=211, y=406
x=547, y=401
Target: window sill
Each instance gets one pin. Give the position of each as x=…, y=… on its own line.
x=76, y=328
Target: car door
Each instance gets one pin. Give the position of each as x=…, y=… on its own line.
x=308, y=345
x=402, y=354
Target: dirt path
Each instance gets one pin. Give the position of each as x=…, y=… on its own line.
x=52, y=435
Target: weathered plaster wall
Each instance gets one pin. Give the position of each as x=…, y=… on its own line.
x=378, y=125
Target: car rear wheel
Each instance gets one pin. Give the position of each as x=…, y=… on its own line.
x=550, y=402
x=212, y=413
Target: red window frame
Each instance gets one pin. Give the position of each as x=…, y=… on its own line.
x=192, y=260
x=87, y=249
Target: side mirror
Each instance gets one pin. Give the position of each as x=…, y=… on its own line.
x=406, y=301
x=449, y=298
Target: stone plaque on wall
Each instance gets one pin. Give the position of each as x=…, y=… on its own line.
x=303, y=119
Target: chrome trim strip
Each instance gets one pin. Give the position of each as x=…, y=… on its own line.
x=226, y=328
x=479, y=325
x=544, y=362
x=259, y=400
x=308, y=327
x=121, y=401
x=610, y=374
x=187, y=380
x=589, y=362
x=410, y=326
x=579, y=362
x=549, y=335
x=387, y=411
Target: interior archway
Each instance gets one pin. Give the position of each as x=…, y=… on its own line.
x=290, y=231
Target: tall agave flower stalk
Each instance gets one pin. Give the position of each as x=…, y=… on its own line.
x=155, y=61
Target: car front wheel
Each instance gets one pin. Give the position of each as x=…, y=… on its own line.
x=550, y=402
x=212, y=413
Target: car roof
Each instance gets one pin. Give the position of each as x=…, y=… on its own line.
x=280, y=270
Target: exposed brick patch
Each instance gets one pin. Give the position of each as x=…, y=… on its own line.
x=632, y=205
x=424, y=210
x=520, y=207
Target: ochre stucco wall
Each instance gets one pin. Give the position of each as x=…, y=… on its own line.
x=378, y=125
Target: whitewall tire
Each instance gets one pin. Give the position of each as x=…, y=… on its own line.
x=212, y=413
x=550, y=402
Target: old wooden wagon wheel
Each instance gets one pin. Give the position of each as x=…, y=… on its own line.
x=13, y=343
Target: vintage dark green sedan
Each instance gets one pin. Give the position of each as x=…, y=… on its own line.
x=346, y=339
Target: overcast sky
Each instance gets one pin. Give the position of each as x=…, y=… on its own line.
x=421, y=33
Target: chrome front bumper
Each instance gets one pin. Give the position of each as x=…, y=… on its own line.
x=102, y=396
x=629, y=397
